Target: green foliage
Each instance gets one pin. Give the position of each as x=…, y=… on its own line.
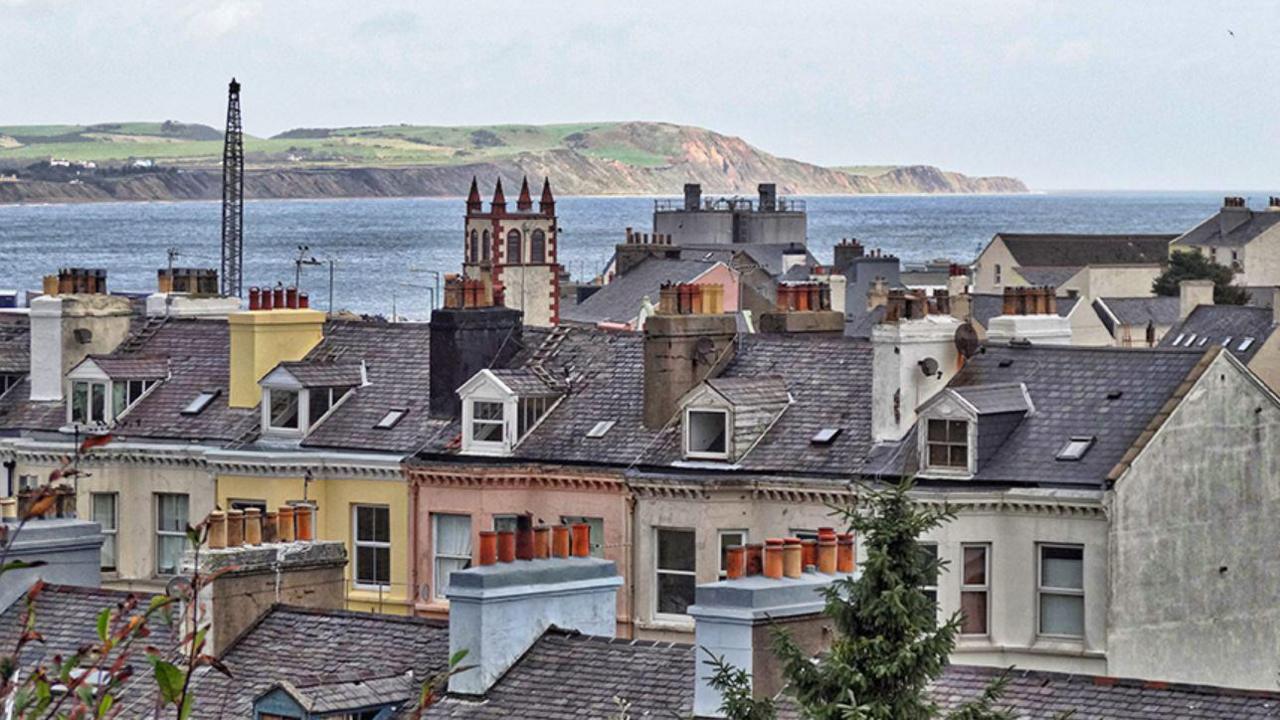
x=734, y=686
x=1193, y=265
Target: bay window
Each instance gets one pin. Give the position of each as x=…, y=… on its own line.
x=1061, y=590
x=450, y=549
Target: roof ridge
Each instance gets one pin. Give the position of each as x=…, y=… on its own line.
x=1130, y=682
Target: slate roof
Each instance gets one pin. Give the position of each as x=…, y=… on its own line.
x=620, y=300
x=859, y=325
x=1069, y=387
x=318, y=647
x=568, y=675
x=995, y=399
x=1076, y=251
x=1212, y=325
x=198, y=359
x=762, y=390
x=1047, y=696
x=524, y=382
x=326, y=373
x=397, y=363
x=67, y=617
x=829, y=379
x=1229, y=228
x=353, y=694
x=132, y=366
x=984, y=306
x=1160, y=311
x=15, y=344
x=1048, y=276
x=768, y=256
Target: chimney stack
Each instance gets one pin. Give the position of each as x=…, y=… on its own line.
x=263, y=338
x=499, y=608
x=465, y=341
x=692, y=196
x=683, y=345
x=733, y=617
x=768, y=197
x=259, y=576
x=1192, y=293
x=66, y=329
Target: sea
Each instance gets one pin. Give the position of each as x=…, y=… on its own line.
x=389, y=254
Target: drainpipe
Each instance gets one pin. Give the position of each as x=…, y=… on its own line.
x=413, y=592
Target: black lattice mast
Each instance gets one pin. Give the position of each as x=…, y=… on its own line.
x=233, y=197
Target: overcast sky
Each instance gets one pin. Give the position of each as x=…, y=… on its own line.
x=1073, y=94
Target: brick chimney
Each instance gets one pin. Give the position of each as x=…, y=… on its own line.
x=263, y=338
x=1030, y=313
x=803, y=308
x=500, y=607
x=903, y=350
x=684, y=344
x=464, y=341
x=305, y=573
x=66, y=329
x=1193, y=293
x=734, y=618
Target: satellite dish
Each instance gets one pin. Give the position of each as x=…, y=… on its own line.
x=929, y=367
x=967, y=342
x=424, y=592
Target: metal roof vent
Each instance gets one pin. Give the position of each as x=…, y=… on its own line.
x=1115, y=394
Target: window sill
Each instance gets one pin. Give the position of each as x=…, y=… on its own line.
x=364, y=593
x=669, y=623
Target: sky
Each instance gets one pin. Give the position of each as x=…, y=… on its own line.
x=1076, y=94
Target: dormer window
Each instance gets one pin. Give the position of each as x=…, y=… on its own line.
x=298, y=396
x=706, y=433
x=500, y=408
x=948, y=444
x=88, y=402
x=103, y=388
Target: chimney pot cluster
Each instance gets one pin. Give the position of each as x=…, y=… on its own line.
x=252, y=527
x=460, y=292
x=73, y=281
x=829, y=554
x=903, y=305
x=278, y=298
x=635, y=238
x=534, y=542
x=1233, y=201
x=1030, y=301
x=803, y=296
x=195, y=281
x=691, y=299
x=1273, y=203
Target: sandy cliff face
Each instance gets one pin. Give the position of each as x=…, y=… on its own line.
x=617, y=158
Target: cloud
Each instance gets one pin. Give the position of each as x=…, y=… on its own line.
x=220, y=18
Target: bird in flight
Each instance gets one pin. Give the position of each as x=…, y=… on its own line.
x=1232, y=34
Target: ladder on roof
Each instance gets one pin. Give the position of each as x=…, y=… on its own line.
x=135, y=341
x=549, y=346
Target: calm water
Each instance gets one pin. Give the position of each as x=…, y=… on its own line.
x=386, y=249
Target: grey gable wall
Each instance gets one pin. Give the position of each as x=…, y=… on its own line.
x=1195, y=575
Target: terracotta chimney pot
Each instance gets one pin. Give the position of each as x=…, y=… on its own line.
x=270, y=529
x=506, y=546
x=809, y=553
x=284, y=524
x=793, y=557
x=541, y=542
x=581, y=540
x=773, y=563
x=524, y=537
x=217, y=530
x=844, y=553
x=560, y=541
x=302, y=515
x=736, y=562
x=253, y=526
x=235, y=528
x=827, y=556
x=755, y=559
x=488, y=547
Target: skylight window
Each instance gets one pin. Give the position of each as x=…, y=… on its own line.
x=392, y=417
x=201, y=401
x=1245, y=344
x=1178, y=340
x=825, y=436
x=1075, y=448
x=600, y=428
x=1226, y=341
x=1202, y=341
x=1190, y=339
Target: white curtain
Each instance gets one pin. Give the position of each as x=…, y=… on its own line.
x=452, y=549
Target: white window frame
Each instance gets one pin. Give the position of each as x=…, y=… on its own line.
x=162, y=533
x=720, y=547
x=334, y=401
x=925, y=461
x=487, y=447
x=984, y=587
x=89, y=418
x=933, y=588
x=110, y=533
x=658, y=570
x=277, y=430
x=688, y=431
x=357, y=543
x=1042, y=591
x=436, y=555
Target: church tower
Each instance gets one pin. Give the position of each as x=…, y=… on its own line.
x=514, y=252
